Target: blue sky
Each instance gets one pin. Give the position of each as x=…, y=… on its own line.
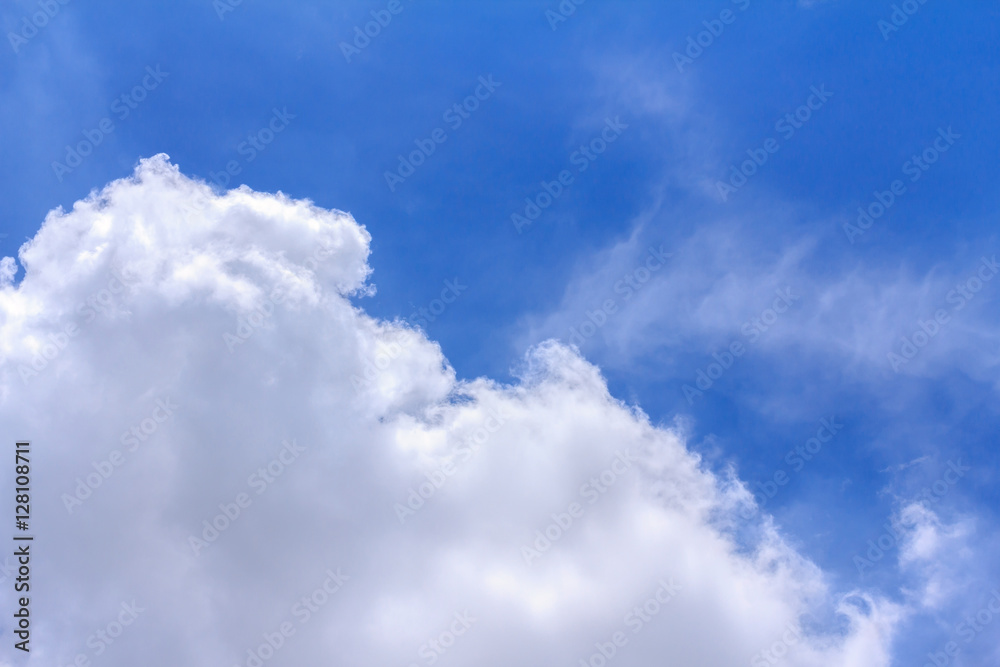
x=554, y=86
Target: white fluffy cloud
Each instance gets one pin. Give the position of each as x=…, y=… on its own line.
x=176, y=355
x=940, y=554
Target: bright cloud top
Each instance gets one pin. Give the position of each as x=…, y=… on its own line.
x=237, y=466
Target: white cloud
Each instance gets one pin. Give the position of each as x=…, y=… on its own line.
x=850, y=313
x=728, y=258
x=940, y=554
x=154, y=272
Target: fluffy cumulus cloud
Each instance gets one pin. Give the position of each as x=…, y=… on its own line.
x=234, y=465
